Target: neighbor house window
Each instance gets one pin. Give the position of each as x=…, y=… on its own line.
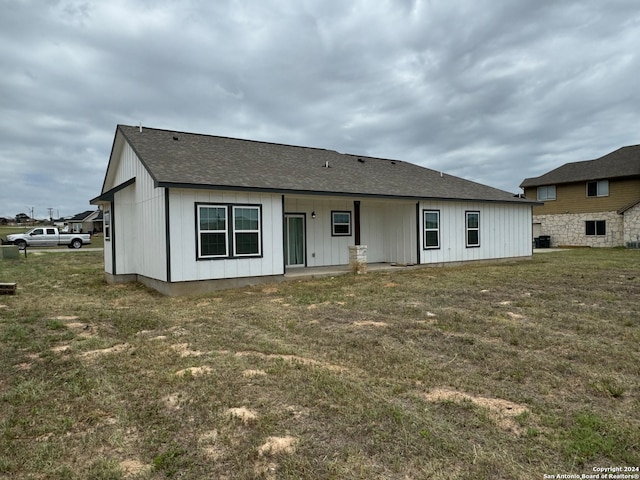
x=547, y=193
x=431, y=229
x=473, y=229
x=107, y=224
x=340, y=224
x=227, y=231
x=596, y=227
x=598, y=189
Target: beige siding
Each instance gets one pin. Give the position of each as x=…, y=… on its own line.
x=572, y=198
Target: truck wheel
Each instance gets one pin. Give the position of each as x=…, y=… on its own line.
x=76, y=243
x=22, y=244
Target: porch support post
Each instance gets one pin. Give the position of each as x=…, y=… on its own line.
x=357, y=252
x=356, y=220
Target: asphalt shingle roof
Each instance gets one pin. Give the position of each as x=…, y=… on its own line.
x=176, y=159
x=81, y=216
x=624, y=162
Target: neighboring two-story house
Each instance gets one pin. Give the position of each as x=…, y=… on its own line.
x=593, y=203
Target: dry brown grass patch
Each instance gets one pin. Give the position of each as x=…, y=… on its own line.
x=278, y=445
x=183, y=350
x=503, y=412
x=370, y=323
x=122, y=347
x=195, y=371
x=292, y=359
x=243, y=413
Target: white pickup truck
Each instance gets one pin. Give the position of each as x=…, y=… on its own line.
x=46, y=237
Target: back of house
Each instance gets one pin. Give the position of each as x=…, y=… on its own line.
x=186, y=212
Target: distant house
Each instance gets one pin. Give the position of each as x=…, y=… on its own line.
x=186, y=212
x=89, y=221
x=592, y=203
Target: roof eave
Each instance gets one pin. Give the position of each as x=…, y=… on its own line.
x=326, y=193
x=107, y=196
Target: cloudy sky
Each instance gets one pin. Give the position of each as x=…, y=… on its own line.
x=489, y=90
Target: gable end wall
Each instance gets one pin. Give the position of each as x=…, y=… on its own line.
x=138, y=221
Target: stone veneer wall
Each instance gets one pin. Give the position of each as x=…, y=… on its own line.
x=569, y=229
x=632, y=225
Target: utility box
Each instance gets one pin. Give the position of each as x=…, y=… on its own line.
x=9, y=252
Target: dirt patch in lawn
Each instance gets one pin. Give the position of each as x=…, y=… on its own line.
x=246, y=415
x=278, y=445
x=253, y=373
x=370, y=323
x=503, y=412
x=174, y=401
x=292, y=359
x=183, y=350
x=105, y=351
x=81, y=329
x=132, y=468
x=195, y=371
x=61, y=348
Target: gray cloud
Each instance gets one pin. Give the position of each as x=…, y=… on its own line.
x=490, y=91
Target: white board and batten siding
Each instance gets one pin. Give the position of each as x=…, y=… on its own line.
x=322, y=248
x=183, y=231
x=387, y=228
x=505, y=232
x=399, y=233
x=137, y=221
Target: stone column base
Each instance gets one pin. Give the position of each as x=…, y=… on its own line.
x=358, y=258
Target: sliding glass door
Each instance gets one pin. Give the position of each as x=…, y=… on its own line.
x=294, y=241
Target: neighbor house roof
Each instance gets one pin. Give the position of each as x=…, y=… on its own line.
x=81, y=217
x=188, y=160
x=624, y=162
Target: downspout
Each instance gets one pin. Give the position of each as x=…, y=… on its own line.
x=167, y=233
x=356, y=217
x=112, y=235
x=284, y=239
x=418, y=232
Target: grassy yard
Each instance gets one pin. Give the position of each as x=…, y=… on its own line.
x=502, y=371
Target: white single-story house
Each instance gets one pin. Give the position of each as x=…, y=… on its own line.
x=186, y=212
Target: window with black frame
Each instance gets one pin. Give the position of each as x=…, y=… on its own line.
x=473, y=229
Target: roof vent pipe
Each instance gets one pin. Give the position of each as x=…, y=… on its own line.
x=326, y=164
x=441, y=174
x=140, y=127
